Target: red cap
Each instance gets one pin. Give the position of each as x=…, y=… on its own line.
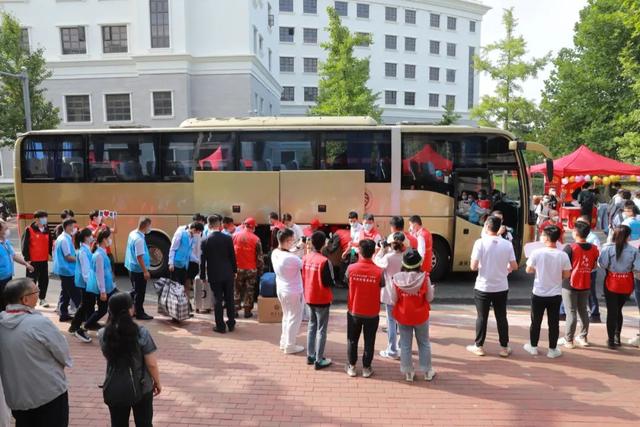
x=315, y=224
x=250, y=222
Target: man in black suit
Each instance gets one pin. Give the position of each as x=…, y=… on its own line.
x=219, y=265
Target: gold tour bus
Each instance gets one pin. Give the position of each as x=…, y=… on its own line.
x=311, y=167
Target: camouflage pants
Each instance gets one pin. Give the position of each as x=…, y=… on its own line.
x=245, y=288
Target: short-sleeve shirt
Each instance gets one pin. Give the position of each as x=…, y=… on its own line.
x=139, y=245
x=549, y=264
x=494, y=254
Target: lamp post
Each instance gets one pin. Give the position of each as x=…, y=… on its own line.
x=24, y=78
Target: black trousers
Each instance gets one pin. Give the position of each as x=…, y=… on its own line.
x=52, y=414
x=615, y=302
x=484, y=301
x=223, y=292
x=40, y=275
x=3, y=283
x=68, y=293
x=355, y=327
x=179, y=275
x=103, y=308
x=139, y=285
x=86, y=309
x=538, y=307
x=142, y=413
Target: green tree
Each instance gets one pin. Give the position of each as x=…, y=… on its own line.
x=449, y=117
x=12, y=58
x=505, y=63
x=342, y=90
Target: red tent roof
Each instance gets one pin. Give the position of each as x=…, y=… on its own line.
x=583, y=161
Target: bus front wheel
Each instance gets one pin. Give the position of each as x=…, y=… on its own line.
x=158, y=254
x=440, y=266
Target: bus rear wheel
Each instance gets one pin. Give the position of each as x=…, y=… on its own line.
x=158, y=254
x=440, y=266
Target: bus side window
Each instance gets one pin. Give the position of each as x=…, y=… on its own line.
x=124, y=157
x=277, y=151
x=215, y=152
x=178, y=160
x=427, y=163
x=369, y=151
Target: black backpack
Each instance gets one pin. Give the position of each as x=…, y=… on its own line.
x=124, y=385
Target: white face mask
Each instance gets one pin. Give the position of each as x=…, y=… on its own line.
x=7, y=233
x=109, y=242
x=367, y=227
x=43, y=221
x=555, y=218
x=147, y=231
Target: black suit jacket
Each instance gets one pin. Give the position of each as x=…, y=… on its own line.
x=218, y=261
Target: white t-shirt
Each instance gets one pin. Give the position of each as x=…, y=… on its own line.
x=288, y=269
x=549, y=264
x=494, y=254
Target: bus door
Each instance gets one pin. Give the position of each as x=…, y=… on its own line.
x=506, y=197
x=470, y=216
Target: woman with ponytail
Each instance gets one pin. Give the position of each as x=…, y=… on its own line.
x=83, y=241
x=100, y=283
x=126, y=344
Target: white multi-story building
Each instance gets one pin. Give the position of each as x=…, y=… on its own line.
x=153, y=62
x=420, y=59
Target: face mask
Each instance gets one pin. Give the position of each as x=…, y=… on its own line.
x=74, y=231
x=147, y=231
x=42, y=221
x=109, y=242
x=367, y=227
x=464, y=197
x=7, y=233
x=555, y=218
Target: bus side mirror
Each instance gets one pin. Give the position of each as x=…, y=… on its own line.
x=549, y=163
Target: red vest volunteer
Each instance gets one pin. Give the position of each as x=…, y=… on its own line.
x=316, y=279
x=584, y=259
x=365, y=281
x=411, y=308
x=245, y=245
x=36, y=245
x=422, y=234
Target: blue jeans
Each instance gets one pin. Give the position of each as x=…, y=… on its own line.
x=392, y=331
x=424, y=347
x=317, y=331
x=594, y=306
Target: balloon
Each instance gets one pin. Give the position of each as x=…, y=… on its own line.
x=638, y=178
x=597, y=180
x=439, y=173
x=572, y=179
x=587, y=178
x=565, y=181
x=625, y=178
x=579, y=178
x=632, y=178
x=606, y=180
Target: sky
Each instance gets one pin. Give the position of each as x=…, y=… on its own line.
x=547, y=25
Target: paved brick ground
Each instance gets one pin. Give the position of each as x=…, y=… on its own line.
x=243, y=379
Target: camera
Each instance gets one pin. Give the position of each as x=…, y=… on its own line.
x=304, y=239
x=383, y=244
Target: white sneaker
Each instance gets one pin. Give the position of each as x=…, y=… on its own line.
x=566, y=343
x=385, y=354
x=408, y=377
x=582, y=342
x=294, y=349
x=351, y=370
x=553, y=353
x=367, y=372
x=635, y=341
x=44, y=303
x=531, y=349
x=430, y=375
x=505, y=351
x=478, y=351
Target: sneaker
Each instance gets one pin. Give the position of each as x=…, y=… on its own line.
x=611, y=345
x=367, y=372
x=595, y=319
x=582, y=342
x=505, y=351
x=635, y=341
x=82, y=335
x=294, y=349
x=531, y=349
x=430, y=375
x=311, y=360
x=94, y=326
x=351, y=370
x=387, y=355
x=44, y=303
x=324, y=363
x=563, y=317
x=72, y=330
x=144, y=316
x=616, y=341
x=478, y=351
x=566, y=343
x=553, y=353
x=248, y=314
x=408, y=377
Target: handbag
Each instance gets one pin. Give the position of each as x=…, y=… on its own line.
x=123, y=386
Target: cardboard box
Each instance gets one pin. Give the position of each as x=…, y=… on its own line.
x=269, y=310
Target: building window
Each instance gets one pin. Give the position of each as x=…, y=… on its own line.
x=409, y=16
x=390, y=97
x=451, y=49
x=452, y=23
x=162, y=104
x=260, y=44
x=451, y=76
x=390, y=42
x=390, y=69
x=472, y=26
x=114, y=39
x=159, y=23
x=434, y=20
x=390, y=14
x=342, y=8
x=310, y=6
x=434, y=47
x=409, y=98
x=74, y=41
x=311, y=65
x=310, y=94
x=472, y=79
x=362, y=10
x=310, y=35
x=286, y=34
x=434, y=100
x=410, y=44
x=255, y=40
x=286, y=5
x=409, y=71
x=451, y=101
x=288, y=93
x=270, y=58
x=24, y=39
x=365, y=39
x=434, y=74
x=286, y=64
x=78, y=108
x=270, y=17
x=118, y=107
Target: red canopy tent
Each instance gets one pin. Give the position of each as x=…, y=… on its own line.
x=583, y=161
x=425, y=156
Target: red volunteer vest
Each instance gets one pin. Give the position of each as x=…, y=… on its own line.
x=412, y=310
x=371, y=235
x=582, y=264
x=38, y=245
x=245, y=246
x=413, y=242
x=345, y=239
x=619, y=283
x=314, y=292
x=364, y=288
x=427, y=262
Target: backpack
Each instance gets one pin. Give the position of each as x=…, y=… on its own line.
x=122, y=385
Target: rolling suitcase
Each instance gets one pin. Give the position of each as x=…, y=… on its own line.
x=202, y=296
